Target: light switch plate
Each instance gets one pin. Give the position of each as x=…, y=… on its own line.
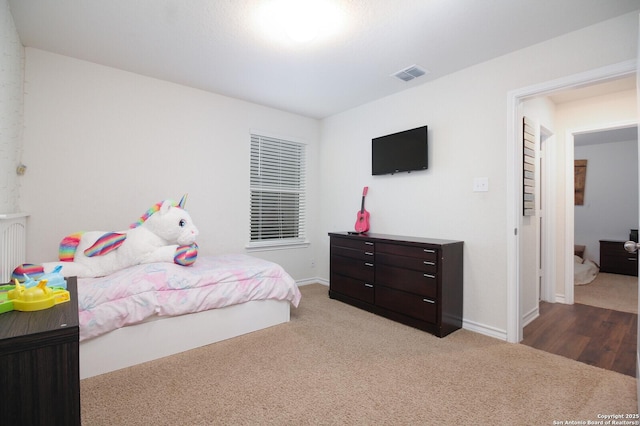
x=480, y=184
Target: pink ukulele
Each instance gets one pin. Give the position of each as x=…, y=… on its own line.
x=362, y=222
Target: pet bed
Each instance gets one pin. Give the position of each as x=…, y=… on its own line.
x=154, y=310
x=584, y=271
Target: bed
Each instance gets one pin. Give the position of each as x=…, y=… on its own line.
x=154, y=310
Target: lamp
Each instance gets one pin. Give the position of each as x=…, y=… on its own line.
x=300, y=21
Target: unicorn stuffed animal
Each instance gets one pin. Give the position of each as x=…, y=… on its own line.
x=165, y=233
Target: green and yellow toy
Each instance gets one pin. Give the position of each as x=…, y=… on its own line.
x=6, y=305
x=21, y=298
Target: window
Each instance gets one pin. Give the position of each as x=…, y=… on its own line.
x=277, y=186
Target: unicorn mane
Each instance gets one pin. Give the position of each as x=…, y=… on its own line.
x=153, y=209
x=156, y=207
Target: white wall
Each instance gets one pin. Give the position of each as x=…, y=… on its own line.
x=610, y=207
x=11, y=99
x=103, y=145
x=466, y=113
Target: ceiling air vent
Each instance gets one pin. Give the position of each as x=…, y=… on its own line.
x=409, y=73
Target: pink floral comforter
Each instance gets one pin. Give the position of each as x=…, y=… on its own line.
x=134, y=294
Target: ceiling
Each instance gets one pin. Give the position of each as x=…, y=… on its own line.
x=595, y=89
x=218, y=46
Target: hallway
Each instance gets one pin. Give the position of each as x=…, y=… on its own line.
x=596, y=336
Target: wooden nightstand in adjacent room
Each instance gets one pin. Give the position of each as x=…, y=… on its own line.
x=614, y=259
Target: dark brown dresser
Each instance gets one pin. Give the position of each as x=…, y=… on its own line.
x=614, y=259
x=39, y=365
x=415, y=281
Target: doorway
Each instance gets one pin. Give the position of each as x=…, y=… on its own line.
x=605, y=313
x=608, y=212
x=514, y=219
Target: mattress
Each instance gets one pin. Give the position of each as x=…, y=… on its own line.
x=138, y=293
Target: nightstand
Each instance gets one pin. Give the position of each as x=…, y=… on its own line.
x=39, y=365
x=615, y=259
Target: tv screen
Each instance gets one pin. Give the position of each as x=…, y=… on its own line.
x=400, y=152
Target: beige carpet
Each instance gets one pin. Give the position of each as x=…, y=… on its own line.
x=611, y=291
x=334, y=364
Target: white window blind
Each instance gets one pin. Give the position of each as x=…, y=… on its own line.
x=278, y=171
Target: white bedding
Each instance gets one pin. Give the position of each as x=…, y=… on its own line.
x=584, y=271
x=135, y=294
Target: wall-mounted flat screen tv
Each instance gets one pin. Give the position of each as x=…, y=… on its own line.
x=400, y=152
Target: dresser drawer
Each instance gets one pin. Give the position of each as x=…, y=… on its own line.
x=625, y=265
x=419, y=252
x=613, y=248
x=357, y=244
x=353, y=253
x=422, y=308
x=352, y=287
x=418, y=264
x=417, y=282
x=358, y=269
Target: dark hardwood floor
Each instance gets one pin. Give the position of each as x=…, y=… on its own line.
x=595, y=336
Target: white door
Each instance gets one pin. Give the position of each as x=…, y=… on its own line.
x=547, y=228
x=631, y=246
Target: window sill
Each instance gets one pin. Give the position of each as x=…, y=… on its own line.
x=271, y=245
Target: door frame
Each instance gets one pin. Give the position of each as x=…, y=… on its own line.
x=547, y=229
x=514, y=177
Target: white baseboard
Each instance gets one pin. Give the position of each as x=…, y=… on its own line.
x=316, y=280
x=560, y=298
x=530, y=316
x=484, y=329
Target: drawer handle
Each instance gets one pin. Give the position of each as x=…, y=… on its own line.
x=632, y=258
x=368, y=285
x=429, y=263
x=368, y=253
x=368, y=264
x=429, y=251
x=369, y=243
x=428, y=300
x=429, y=276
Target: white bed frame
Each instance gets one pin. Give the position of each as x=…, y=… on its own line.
x=164, y=336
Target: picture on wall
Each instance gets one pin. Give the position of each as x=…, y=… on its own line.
x=579, y=178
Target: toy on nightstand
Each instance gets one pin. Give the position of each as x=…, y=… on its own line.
x=20, y=298
x=6, y=305
x=36, y=298
x=54, y=279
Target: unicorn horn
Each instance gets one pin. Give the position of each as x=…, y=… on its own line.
x=183, y=200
